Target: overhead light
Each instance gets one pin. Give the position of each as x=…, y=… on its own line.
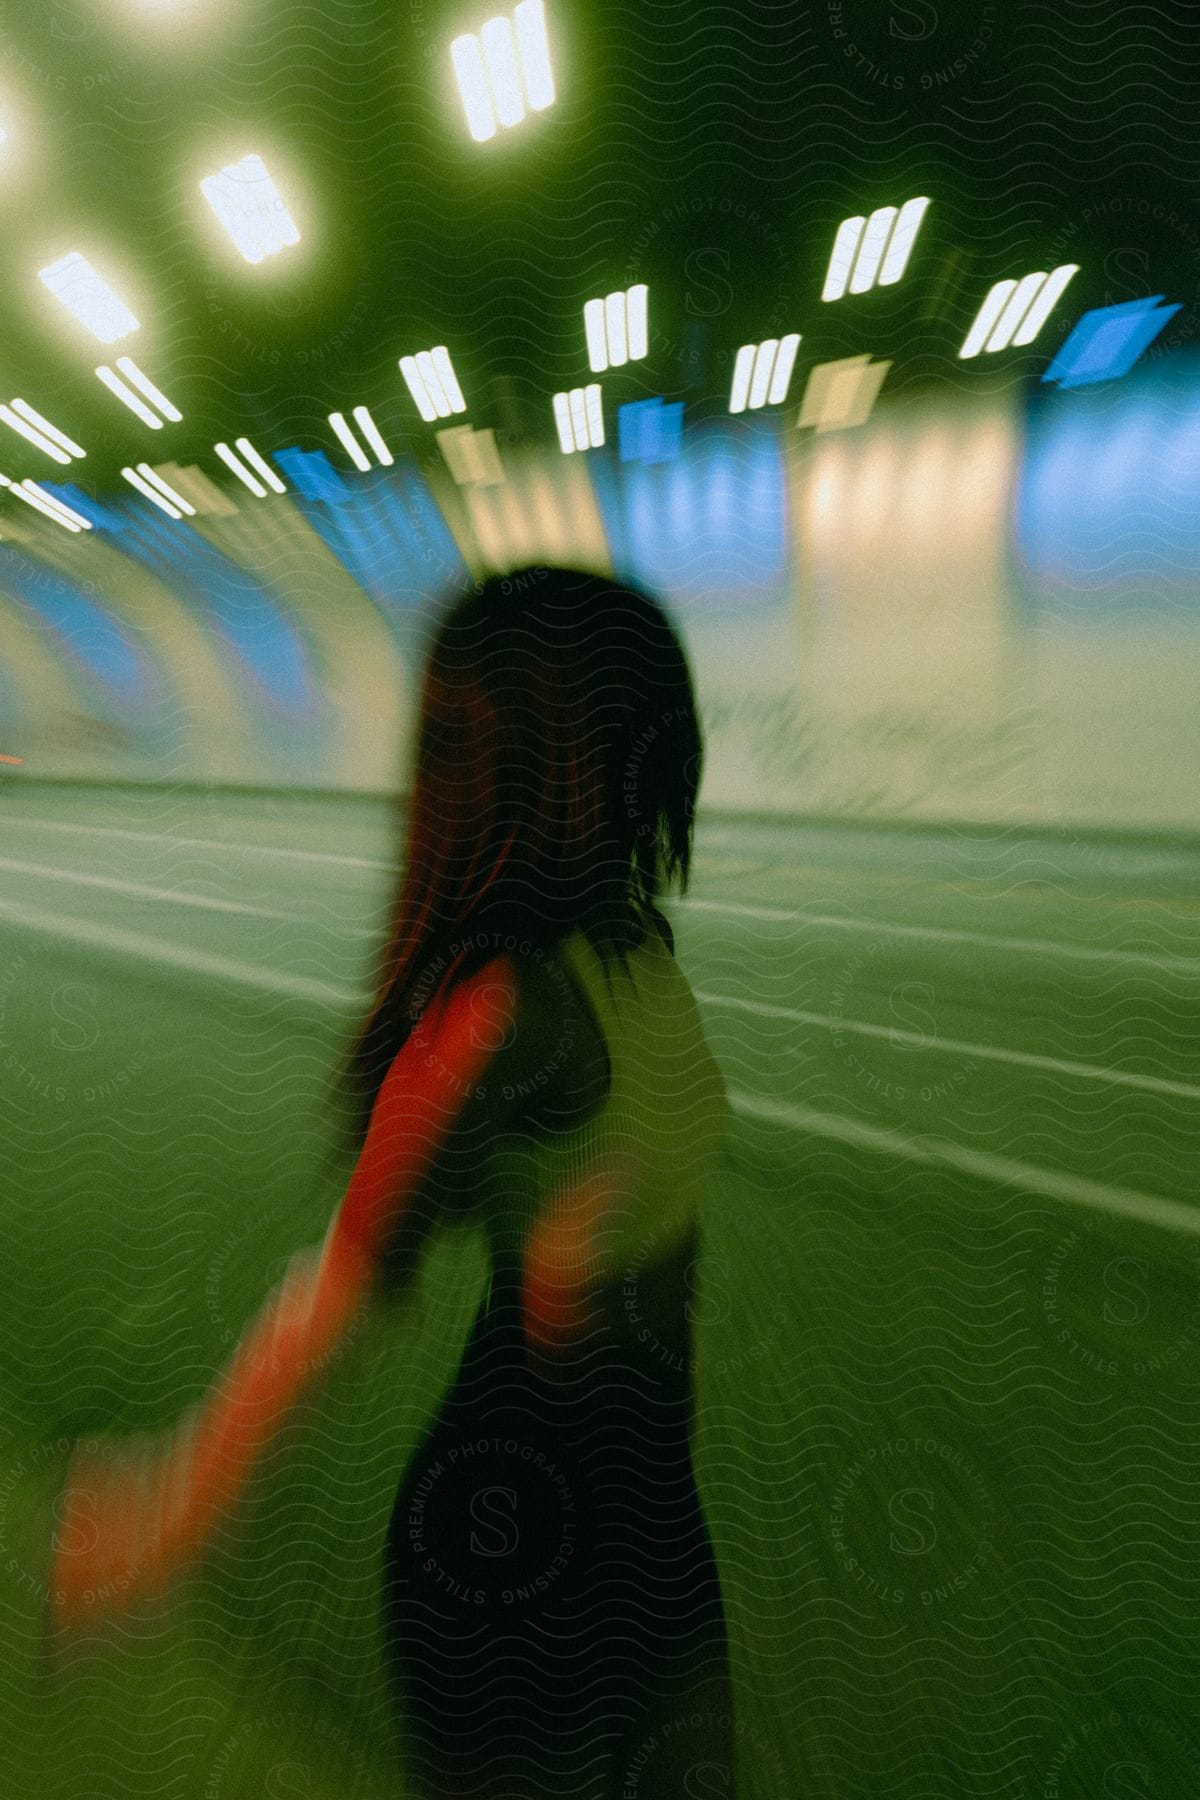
x=142, y=408
x=370, y=431
x=20, y=416
x=150, y=484
x=251, y=209
x=46, y=504
x=762, y=373
x=504, y=69
x=1015, y=311
x=373, y=435
x=616, y=328
x=471, y=456
x=59, y=509
x=73, y=281
x=1107, y=341
x=433, y=383
x=155, y=395
x=256, y=464
x=579, y=418
x=873, y=252
x=259, y=464
x=649, y=431
x=841, y=394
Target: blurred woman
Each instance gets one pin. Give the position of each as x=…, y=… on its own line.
x=534, y=1067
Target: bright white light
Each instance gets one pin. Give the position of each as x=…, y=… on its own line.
x=993, y=305
x=433, y=383
x=448, y=379
x=593, y=327
x=500, y=62
x=742, y=368
x=39, y=432
x=128, y=398
x=504, y=69
x=466, y=54
x=616, y=328
x=373, y=435
x=1015, y=308
x=27, y=431
x=870, y=249
x=155, y=395
x=873, y=251
x=73, y=281
x=841, y=261
x=904, y=236
x=240, y=470
x=1043, y=304
x=762, y=373
x=370, y=431
x=784, y=362
x=595, y=415
x=138, y=480
x=251, y=209
x=45, y=503
x=169, y=493
x=1013, y=312
x=259, y=464
x=764, y=364
x=48, y=430
x=533, y=54
x=350, y=443
x=579, y=416
x=42, y=505
x=636, y=322
x=58, y=507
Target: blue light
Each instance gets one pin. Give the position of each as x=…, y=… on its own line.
x=709, y=528
x=1108, y=341
x=1107, y=504
x=386, y=531
x=649, y=431
x=258, y=636
x=119, y=673
x=312, y=474
x=78, y=501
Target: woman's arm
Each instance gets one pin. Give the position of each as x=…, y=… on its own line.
x=567, y=1259
x=124, y=1528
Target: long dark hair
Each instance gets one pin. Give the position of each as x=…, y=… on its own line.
x=558, y=756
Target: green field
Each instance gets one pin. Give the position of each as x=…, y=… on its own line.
x=948, y=1316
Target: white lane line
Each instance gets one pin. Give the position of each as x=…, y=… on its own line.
x=1125, y=1203
x=195, y=843
x=1164, y=964
x=1151, y=1084
x=142, y=890
x=200, y=963
x=936, y=934
x=1003, y=1171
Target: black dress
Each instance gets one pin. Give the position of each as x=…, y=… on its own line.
x=552, y=1608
